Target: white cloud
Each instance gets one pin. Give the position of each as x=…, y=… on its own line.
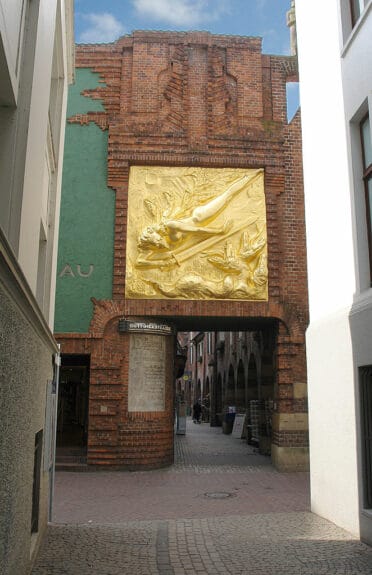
x=102, y=27
x=181, y=12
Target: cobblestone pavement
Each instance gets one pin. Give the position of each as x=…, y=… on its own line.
x=221, y=509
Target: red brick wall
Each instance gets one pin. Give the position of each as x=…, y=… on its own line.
x=194, y=99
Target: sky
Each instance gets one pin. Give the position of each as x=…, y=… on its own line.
x=99, y=21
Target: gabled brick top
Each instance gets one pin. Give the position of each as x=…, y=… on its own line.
x=195, y=86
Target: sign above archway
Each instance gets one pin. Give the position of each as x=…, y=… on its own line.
x=196, y=233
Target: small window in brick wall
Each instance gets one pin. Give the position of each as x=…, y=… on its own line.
x=36, y=483
x=365, y=378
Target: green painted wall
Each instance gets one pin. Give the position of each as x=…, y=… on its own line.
x=86, y=237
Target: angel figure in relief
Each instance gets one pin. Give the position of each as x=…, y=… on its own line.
x=156, y=241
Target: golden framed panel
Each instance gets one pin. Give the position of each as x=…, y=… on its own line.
x=196, y=233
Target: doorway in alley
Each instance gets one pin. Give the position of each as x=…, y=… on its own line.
x=72, y=422
x=232, y=374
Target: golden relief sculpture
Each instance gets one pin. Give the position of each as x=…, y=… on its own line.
x=196, y=233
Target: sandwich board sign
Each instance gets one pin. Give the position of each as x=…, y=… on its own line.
x=238, y=425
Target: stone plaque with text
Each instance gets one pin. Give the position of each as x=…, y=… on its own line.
x=147, y=373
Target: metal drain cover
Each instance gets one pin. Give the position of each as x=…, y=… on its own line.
x=219, y=495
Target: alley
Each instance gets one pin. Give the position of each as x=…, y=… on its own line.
x=221, y=508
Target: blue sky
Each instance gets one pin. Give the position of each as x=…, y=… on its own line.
x=105, y=21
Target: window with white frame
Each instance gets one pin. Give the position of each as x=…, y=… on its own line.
x=365, y=134
x=356, y=8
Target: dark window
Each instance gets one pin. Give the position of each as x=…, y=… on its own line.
x=355, y=11
x=36, y=484
x=365, y=376
x=365, y=131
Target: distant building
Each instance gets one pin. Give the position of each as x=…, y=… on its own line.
x=232, y=371
x=36, y=63
x=335, y=59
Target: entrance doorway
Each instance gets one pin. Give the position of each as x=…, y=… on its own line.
x=235, y=376
x=72, y=422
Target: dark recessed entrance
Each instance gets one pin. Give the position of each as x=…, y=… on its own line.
x=72, y=424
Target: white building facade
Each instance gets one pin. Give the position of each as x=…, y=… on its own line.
x=335, y=60
x=36, y=64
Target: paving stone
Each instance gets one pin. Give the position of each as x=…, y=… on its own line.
x=161, y=522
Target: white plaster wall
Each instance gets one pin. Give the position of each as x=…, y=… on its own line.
x=11, y=25
x=51, y=11
x=67, y=40
x=327, y=194
x=356, y=65
x=333, y=454
x=36, y=143
x=331, y=269
x=357, y=81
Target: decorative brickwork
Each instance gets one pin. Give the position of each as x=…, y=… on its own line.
x=193, y=99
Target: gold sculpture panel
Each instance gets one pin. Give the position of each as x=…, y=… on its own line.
x=196, y=233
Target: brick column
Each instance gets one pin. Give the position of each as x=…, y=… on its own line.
x=290, y=447
x=146, y=427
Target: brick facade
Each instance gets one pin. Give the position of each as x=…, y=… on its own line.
x=194, y=99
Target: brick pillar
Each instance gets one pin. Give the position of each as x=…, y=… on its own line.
x=290, y=443
x=106, y=396
x=146, y=429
